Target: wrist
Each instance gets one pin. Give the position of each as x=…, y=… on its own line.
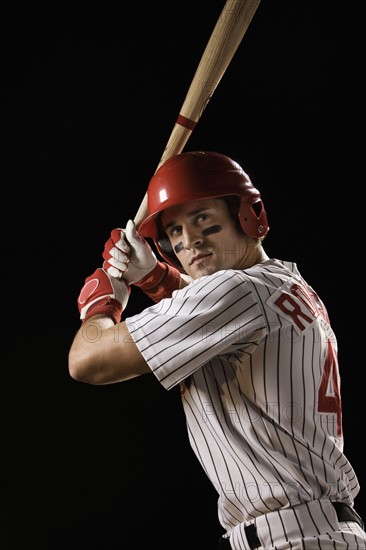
x=153, y=278
x=160, y=282
x=109, y=307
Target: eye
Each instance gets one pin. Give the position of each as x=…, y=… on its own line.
x=175, y=231
x=201, y=217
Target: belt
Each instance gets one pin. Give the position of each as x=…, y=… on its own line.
x=346, y=513
x=250, y=533
x=343, y=512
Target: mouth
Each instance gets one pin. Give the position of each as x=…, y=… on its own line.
x=200, y=259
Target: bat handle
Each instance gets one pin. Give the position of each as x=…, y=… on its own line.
x=141, y=212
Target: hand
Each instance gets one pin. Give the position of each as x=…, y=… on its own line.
x=103, y=294
x=116, y=254
x=128, y=255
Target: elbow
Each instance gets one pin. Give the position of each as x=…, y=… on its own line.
x=81, y=367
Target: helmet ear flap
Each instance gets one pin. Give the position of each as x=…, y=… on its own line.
x=164, y=247
x=166, y=251
x=253, y=218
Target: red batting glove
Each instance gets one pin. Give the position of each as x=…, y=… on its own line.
x=103, y=295
x=116, y=254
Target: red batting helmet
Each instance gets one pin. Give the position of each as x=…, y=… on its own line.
x=201, y=175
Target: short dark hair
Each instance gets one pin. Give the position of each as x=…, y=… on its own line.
x=233, y=207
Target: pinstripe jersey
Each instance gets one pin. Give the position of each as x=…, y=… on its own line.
x=256, y=360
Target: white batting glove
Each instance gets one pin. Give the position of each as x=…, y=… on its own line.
x=127, y=255
x=142, y=259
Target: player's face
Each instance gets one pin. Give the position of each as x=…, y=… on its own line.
x=204, y=237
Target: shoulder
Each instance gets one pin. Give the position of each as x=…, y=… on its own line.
x=234, y=279
x=219, y=281
x=218, y=290
x=271, y=270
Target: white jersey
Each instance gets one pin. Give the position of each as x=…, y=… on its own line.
x=256, y=359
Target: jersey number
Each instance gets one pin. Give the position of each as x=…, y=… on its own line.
x=329, y=397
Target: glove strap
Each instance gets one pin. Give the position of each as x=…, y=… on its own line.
x=160, y=282
x=105, y=306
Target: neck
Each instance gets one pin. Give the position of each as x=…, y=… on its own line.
x=254, y=254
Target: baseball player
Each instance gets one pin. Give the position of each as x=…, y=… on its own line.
x=248, y=341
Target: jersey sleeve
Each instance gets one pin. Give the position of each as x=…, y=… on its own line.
x=215, y=315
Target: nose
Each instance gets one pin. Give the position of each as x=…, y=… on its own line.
x=192, y=238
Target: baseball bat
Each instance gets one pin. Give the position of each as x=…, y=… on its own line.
x=226, y=36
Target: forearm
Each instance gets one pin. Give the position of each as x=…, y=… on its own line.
x=104, y=353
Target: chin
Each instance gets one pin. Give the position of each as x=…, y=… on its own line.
x=202, y=270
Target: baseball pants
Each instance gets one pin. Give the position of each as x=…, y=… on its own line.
x=315, y=524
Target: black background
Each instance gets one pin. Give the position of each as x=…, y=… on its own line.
x=89, y=98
